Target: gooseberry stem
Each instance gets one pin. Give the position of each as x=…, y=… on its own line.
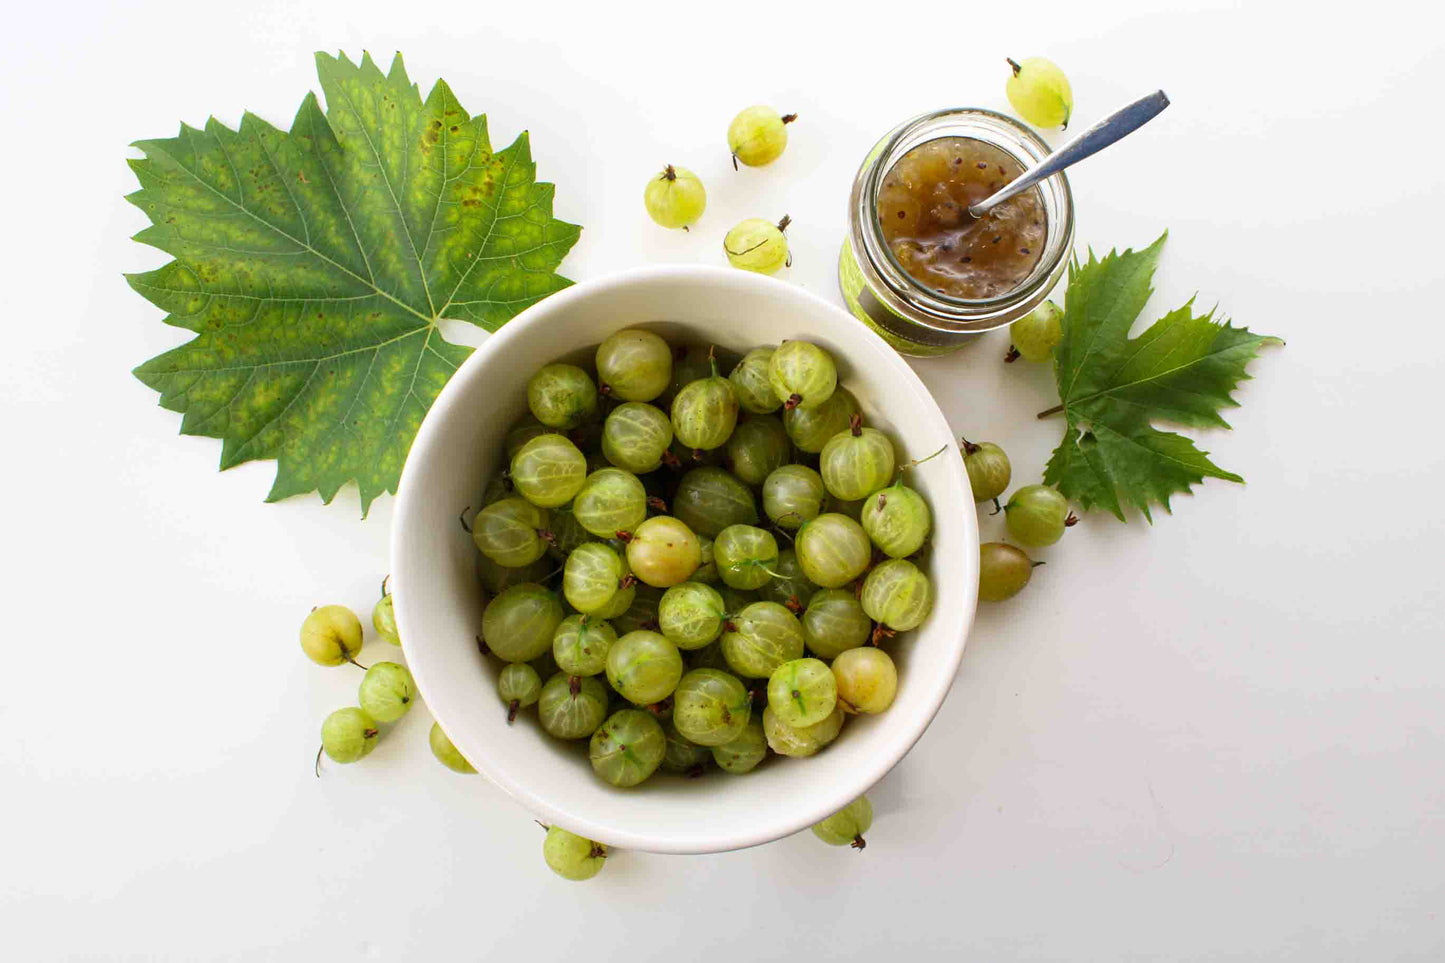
x=482, y=646
x=996, y=507
x=968, y=447
x=1071, y=521
x=574, y=685
x=918, y=461
x=463, y=519
x=512, y=708
x=1015, y=66
x=855, y=425
x=656, y=503
x=316, y=767
x=383, y=585
x=355, y=663
x=597, y=852
x=1012, y=356
x=859, y=843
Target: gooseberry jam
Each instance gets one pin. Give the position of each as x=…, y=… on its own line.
x=932, y=279
x=923, y=211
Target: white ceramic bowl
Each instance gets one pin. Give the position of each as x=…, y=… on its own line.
x=439, y=603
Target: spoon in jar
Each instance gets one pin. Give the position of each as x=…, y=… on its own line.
x=1123, y=121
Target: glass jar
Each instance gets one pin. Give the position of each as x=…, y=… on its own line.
x=914, y=319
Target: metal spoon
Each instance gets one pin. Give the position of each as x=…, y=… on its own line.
x=1123, y=121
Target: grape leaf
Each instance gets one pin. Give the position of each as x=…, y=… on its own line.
x=1112, y=387
x=314, y=264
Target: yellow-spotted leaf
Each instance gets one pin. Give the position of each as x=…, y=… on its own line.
x=314, y=264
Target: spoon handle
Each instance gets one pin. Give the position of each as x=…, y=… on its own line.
x=1123, y=121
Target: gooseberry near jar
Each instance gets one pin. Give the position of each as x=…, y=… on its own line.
x=867, y=680
x=792, y=495
x=833, y=550
x=758, y=245
x=1040, y=92
x=581, y=643
x=856, y=462
x=593, y=576
x=518, y=686
x=847, y=826
x=802, y=374
x=812, y=428
x=518, y=624
x=802, y=692
x=636, y=436
x=571, y=856
x=674, y=197
x=663, y=552
x=709, y=499
x=743, y=754
x=627, y=748
x=386, y=691
x=988, y=469
x=761, y=637
x=705, y=412
x=897, y=520
x=1036, y=334
x=710, y=707
x=348, y=735
x=511, y=532
x=758, y=135
x=1037, y=515
x=331, y=635
x=1003, y=571
x=835, y=622
x=446, y=753
x=572, y=707
x=744, y=556
x=644, y=667
x=633, y=365
x=610, y=500
x=801, y=741
x=561, y=396
x=690, y=615
x=897, y=595
x=757, y=448
x=750, y=380
x=548, y=470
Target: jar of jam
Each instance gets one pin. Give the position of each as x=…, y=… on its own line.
x=916, y=266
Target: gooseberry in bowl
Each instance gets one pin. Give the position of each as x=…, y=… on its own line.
x=580, y=756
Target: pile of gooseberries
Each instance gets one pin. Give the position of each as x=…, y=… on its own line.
x=693, y=560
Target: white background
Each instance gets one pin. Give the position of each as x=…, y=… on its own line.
x=1222, y=737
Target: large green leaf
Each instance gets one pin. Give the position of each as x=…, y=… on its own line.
x=1183, y=369
x=314, y=264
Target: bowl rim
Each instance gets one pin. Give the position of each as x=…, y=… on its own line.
x=408, y=491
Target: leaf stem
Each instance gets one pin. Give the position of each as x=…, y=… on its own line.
x=1051, y=411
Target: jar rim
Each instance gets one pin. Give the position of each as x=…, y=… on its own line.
x=912, y=300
